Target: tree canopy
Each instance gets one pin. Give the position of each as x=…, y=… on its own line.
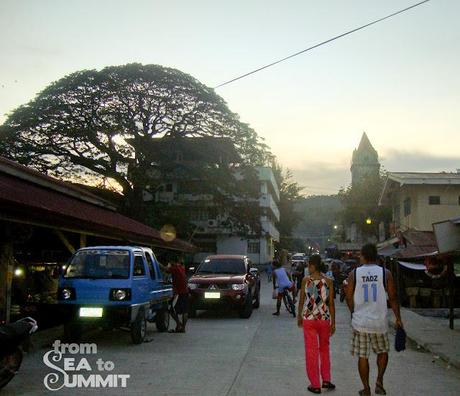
x=361, y=202
x=289, y=195
x=92, y=126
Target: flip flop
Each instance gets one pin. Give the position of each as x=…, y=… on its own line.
x=379, y=389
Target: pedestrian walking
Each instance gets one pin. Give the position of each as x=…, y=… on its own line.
x=316, y=315
x=179, y=303
x=269, y=270
x=366, y=296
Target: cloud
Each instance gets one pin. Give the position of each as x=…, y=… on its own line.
x=418, y=161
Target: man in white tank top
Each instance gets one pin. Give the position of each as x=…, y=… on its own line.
x=366, y=296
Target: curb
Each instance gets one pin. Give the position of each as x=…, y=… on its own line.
x=429, y=347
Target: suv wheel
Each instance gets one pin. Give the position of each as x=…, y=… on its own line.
x=246, y=309
x=256, y=303
x=162, y=320
x=139, y=327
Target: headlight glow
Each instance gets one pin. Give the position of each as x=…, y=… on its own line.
x=192, y=286
x=66, y=294
x=119, y=295
x=238, y=286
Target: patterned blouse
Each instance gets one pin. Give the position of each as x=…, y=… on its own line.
x=316, y=300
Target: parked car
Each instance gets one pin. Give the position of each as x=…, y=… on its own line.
x=114, y=286
x=225, y=281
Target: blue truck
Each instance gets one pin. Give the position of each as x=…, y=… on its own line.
x=114, y=287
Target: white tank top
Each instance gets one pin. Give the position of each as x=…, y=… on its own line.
x=370, y=300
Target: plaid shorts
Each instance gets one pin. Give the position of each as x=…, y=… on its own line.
x=361, y=343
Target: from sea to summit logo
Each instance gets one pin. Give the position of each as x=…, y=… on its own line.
x=78, y=366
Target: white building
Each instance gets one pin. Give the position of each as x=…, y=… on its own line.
x=420, y=199
x=212, y=234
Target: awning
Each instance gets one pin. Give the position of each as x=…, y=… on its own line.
x=25, y=199
x=388, y=251
x=412, y=266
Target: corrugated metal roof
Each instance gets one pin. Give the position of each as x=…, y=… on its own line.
x=21, y=200
x=425, y=177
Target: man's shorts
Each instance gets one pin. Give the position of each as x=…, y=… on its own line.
x=289, y=288
x=361, y=343
x=181, y=304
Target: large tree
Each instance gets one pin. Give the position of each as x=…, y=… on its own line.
x=290, y=193
x=92, y=126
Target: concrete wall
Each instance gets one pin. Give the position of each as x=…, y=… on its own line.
x=424, y=215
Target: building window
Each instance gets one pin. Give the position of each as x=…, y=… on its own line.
x=407, y=207
x=254, y=247
x=434, y=200
x=199, y=215
x=207, y=246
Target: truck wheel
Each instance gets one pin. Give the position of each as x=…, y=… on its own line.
x=162, y=320
x=72, y=331
x=246, y=310
x=9, y=365
x=139, y=327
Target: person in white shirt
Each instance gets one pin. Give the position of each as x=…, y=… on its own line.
x=366, y=296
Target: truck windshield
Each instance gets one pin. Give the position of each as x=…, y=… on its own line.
x=222, y=266
x=99, y=264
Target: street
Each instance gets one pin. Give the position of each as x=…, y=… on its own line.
x=222, y=354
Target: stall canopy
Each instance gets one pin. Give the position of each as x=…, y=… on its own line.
x=28, y=196
x=412, y=266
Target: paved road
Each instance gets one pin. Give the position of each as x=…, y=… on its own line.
x=222, y=354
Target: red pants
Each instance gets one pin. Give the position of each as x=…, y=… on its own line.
x=316, y=335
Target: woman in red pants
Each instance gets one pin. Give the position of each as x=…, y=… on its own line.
x=317, y=318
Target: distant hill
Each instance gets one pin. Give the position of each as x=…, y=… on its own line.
x=318, y=214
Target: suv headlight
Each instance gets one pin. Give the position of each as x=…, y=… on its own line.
x=238, y=286
x=120, y=294
x=192, y=286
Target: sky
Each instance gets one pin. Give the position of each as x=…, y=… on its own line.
x=398, y=81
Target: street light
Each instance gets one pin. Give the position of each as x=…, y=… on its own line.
x=368, y=221
x=336, y=227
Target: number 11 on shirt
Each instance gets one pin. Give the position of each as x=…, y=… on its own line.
x=366, y=292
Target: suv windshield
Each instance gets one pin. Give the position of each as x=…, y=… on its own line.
x=222, y=266
x=99, y=264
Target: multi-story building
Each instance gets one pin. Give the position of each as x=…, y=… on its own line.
x=420, y=199
x=212, y=233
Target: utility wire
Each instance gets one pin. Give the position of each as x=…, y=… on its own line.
x=320, y=44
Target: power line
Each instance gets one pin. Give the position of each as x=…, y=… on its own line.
x=320, y=44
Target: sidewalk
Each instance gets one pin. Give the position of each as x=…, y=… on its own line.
x=433, y=336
